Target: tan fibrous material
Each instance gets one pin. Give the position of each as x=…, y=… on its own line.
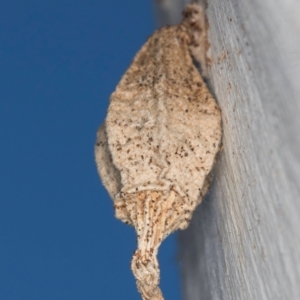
x=158, y=143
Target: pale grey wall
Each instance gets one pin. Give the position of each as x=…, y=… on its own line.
x=244, y=240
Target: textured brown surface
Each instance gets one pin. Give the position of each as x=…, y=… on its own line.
x=159, y=141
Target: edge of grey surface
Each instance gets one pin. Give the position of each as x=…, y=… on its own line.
x=244, y=239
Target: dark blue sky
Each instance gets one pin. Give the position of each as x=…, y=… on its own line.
x=59, y=62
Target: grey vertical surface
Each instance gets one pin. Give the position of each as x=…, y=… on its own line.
x=244, y=240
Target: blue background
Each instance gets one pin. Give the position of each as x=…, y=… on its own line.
x=59, y=62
